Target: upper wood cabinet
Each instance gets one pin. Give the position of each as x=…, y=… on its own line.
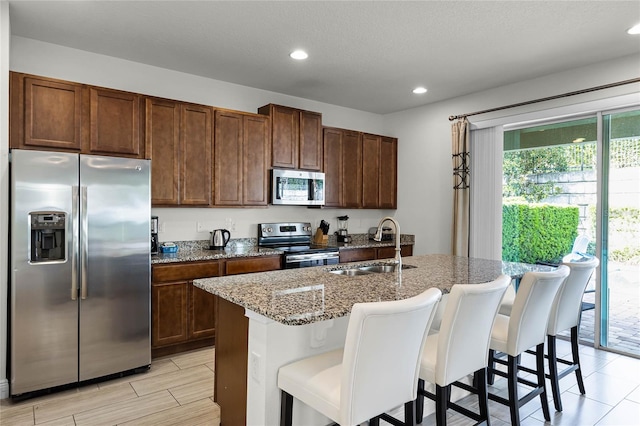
x=360, y=169
x=332, y=148
x=351, y=169
x=342, y=151
x=388, y=194
x=370, y=170
x=379, y=171
x=162, y=134
x=45, y=113
x=296, y=137
x=58, y=115
x=179, y=136
x=241, y=156
x=196, y=134
x=114, y=123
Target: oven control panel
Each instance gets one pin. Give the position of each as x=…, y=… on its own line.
x=289, y=229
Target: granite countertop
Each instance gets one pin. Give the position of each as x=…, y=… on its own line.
x=193, y=251
x=303, y=296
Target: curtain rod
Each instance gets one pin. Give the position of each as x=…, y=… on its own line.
x=548, y=98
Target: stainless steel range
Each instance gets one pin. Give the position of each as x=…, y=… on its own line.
x=294, y=239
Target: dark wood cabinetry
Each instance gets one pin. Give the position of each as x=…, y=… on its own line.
x=202, y=158
x=180, y=137
x=45, y=113
x=296, y=137
x=195, y=149
x=373, y=253
x=241, y=159
x=252, y=264
x=342, y=151
x=182, y=315
x=58, y=115
x=387, y=186
x=379, y=171
x=114, y=123
x=162, y=134
x=370, y=170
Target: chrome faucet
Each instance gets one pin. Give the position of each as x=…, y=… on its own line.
x=378, y=237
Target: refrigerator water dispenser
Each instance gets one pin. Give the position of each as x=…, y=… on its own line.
x=47, y=236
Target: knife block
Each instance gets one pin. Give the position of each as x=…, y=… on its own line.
x=320, y=238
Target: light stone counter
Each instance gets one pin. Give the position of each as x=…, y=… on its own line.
x=303, y=296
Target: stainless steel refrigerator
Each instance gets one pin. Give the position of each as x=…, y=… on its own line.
x=80, y=287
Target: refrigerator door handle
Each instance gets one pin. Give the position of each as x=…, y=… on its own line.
x=84, y=242
x=74, y=242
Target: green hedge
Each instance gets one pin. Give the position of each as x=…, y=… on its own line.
x=537, y=232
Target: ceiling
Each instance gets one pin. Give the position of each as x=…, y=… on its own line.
x=366, y=55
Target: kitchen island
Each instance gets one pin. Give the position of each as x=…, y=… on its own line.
x=273, y=318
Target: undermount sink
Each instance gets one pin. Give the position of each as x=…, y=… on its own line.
x=349, y=272
x=378, y=268
x=367, y=269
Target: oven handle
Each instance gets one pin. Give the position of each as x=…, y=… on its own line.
x=305, y=257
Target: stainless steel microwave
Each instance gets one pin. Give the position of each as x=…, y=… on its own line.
x=297, y=187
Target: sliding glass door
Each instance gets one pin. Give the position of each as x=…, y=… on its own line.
x=619, y=296
x=588, y=171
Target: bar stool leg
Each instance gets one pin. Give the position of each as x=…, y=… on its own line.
x=491, y=367
x=442, y=398
x=410, y=413
x=576, y=358
x=553, y=372
x=420, y=402
x=480, y=380
x=541, y=381
x=512, y=382
x=286, y=409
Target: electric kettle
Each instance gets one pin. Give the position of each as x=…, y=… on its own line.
x=219, y=239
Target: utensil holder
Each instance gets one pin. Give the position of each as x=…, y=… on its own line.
x=320, y=238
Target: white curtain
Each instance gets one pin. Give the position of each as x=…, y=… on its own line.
x=485, y=239
x=460, y=159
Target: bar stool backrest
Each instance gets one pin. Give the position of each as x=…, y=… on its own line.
x=381, y=357
x=567, y=305
x=531, y=308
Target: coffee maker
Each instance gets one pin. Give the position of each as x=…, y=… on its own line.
x=343, y=233
x=154, y=234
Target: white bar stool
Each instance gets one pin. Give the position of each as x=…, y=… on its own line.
x=461, y=348
x=524, y=328
x=565, y=314
x=376, y=371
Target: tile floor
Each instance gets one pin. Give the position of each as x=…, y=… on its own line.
x=178, y=390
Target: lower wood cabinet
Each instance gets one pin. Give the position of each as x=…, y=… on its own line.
x=373, y=253
x=182, y=315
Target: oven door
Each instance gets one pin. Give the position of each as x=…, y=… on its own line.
x=293, y=261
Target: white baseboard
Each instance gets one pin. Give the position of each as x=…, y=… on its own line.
x=4, y=389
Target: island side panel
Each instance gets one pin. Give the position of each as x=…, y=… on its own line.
x=272, y=345
x=230, y=366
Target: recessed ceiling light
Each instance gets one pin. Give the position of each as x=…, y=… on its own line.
x=299, y=54
x=419, y=90
x=634, y=30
